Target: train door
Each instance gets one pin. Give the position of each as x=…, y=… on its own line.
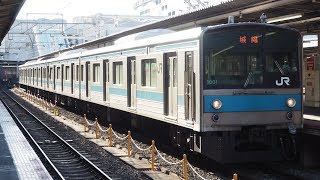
x=132, y=87
x=106, y=81
x=189, y=87
x=170, y=84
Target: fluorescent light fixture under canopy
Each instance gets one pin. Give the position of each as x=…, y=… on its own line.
x=285, y=18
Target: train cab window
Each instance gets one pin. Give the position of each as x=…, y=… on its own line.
x=117, y=73
x=250, y=58
x=149, y=72
x=58, y=72
x=67, y=72
x=96, y=72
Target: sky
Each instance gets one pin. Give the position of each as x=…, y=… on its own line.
x=35, y=9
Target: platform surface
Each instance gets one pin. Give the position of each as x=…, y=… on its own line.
x=17, y=158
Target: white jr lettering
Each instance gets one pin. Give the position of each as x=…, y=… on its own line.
x=285, y=80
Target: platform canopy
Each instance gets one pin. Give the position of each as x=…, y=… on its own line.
x=9, y=10
x=303, y=15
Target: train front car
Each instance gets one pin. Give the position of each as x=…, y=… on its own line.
x=252, y=101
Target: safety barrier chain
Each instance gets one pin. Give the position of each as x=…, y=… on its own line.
x=98, y=128
x=170, y=163
x=192, y=168
x=90, y=124
x=118, y=137
x=35, y=98
x=102, y=129
x=141, y=149
x=153, y=148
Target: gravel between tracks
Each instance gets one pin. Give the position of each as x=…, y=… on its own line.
x=111, y=163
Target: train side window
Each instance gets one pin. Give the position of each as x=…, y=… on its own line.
x=77, y=73
x=117, y=73
x=33, y=76
x=37, y=76
x=96, y=72
x=89, y=73
x=149, y=72
x=41, y=76
x=81, y=73
x=58, y=72
x=67, y=72
x=51, y=74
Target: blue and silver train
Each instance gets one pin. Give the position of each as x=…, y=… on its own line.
x=231, y=92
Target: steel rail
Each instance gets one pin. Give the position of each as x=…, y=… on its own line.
x=88, y=162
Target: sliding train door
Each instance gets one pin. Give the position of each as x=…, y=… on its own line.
x=170, y=85
x=132, y=86
x=189, y=87
x=106, y=81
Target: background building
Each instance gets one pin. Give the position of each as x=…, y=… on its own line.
x=170, y=8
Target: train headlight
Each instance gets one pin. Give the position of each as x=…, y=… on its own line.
x=216, y=104
x=291, y=102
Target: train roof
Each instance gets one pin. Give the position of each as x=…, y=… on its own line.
x=185, y=35
x=126, y=44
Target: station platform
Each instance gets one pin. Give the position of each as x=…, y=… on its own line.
x=311, y=131
x=311, y=123
x=17, y=158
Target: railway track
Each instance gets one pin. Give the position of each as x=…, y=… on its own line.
x=64, y=159
x=61, y=159
x=212, y=170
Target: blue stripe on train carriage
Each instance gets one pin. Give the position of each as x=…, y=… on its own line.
x=148, y=95
x=252, y=103
x=96, y=88
x=118, y=91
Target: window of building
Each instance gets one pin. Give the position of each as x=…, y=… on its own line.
x=67, y=72
x=173, y=13
x=96, y=72
x=149, y=72
x=117, y=73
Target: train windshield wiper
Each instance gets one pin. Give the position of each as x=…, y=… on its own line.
x=248, y=79
x=278, y=66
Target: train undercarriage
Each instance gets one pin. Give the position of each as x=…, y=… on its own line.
x=250, y=144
